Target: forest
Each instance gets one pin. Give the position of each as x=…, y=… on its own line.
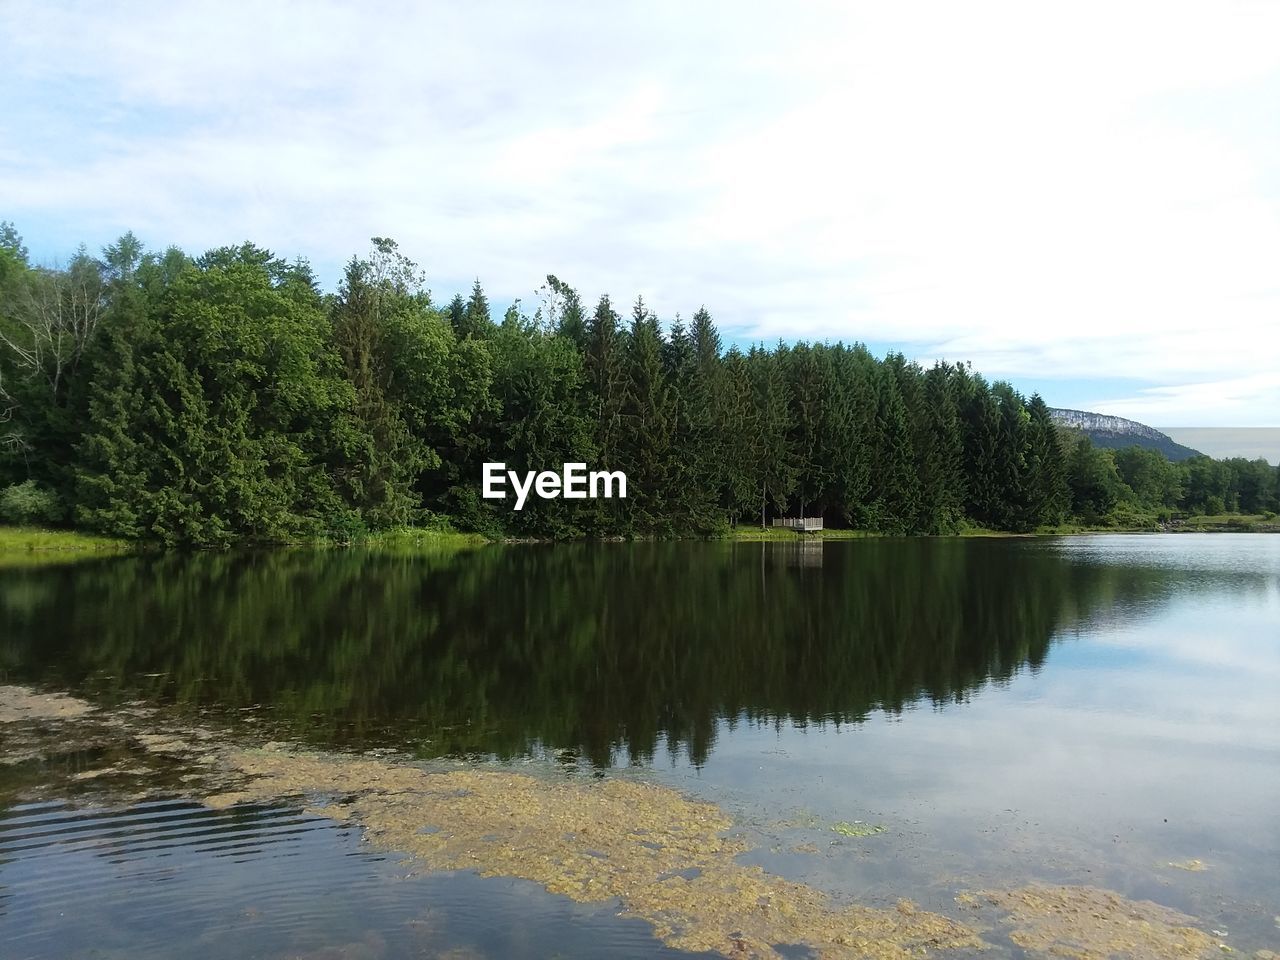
x=226, y=398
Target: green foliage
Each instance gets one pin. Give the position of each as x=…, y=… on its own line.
x=472, y=320
x=224, y=400
x=773, y=463
x=27, y=503
x=1048, y=496
x=540, y=398
x=1152, y=479
x=564, y=313
x=212, y=402
x=648, y=421
x=1095, y=484
x=897, y=504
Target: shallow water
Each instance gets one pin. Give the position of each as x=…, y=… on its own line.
x=163, y=878
x=1098, y=710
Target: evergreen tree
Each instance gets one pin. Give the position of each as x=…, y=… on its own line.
x=648, y=420
x=457, y=313
x=773, y=460
x=114, y=463
x=1048, y=497
x=231, y=379
x=983, y=488
x=223, y=400
x=1010, y=467
x=476, y=321
x=810, y=391
x=697, y=462
x=539, y=383
x=926, y=451
x=565, y=313
x=706, y=339
x=894, y=481
x=857, y=371
x=385, y=458
x=838, y=440
x=948, y=445
x=606, y=376
x=738, y=425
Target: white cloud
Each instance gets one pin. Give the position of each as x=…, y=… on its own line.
x=1204, y=402
x=1086, y=191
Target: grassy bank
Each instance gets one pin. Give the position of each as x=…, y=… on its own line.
x=1152, y=523
x=20, y=545
x=1119, y=523
x=416, y=539
x=770, y=534
x=1230, y=523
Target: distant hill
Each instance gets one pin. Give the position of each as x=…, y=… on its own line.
x=1117, y=432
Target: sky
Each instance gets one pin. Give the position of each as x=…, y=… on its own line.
x=1081, y=198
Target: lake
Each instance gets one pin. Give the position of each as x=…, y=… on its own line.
x=1016, y=723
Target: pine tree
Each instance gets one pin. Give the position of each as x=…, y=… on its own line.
x=981, y=418
x=706, y=339
x=773, y=469
x=113, y=476
x=475, y=323
x=1011, y=467
x=837, y=438
x=1048, y=497
x=927, y=455
x=948, y=440
x=648, y=418
x=457, y=313
x=224, y=399
x=389, y=458
x=807, y=391
x=738, y=425
x=231, y=378
x=895, y=482
x=857, y=371
x=697, y=480
x=568, y=320
x=539, y=381
x=606, y=375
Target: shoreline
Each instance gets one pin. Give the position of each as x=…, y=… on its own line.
x=40, y=544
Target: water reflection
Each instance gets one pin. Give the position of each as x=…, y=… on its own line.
x=609, y=651
x=1093, y=710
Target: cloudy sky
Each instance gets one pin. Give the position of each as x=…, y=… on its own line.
x=1083, y=198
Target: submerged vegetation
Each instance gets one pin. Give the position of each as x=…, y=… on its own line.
x=856, y=829
x=663, y=857
x=226, y=399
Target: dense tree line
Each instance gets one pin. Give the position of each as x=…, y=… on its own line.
x=226, y=398
x=1135, y=481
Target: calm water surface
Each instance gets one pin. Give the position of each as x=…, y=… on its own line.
x=1083, y=710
